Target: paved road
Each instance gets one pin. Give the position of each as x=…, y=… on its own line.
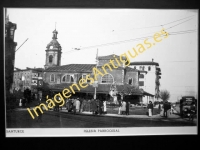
x=51, y=119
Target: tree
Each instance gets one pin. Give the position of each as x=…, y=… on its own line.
x=164, y=95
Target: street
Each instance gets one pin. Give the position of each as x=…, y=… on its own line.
x=52, y=119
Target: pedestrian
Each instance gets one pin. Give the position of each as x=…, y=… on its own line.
x=20, y=102
x=70, y=105
x=77, y=105
x=83, y=105
x=24, y=102
x=166, y=107
x=74, y=105
x=40, y=96
x=159, y=108
x=123, y=109
x=28, y=95
x=127, y=107
x=94, y=106
x=150, y=108
x=120, y=106
x=100, y=107
x=89, y=105
x=104, y=107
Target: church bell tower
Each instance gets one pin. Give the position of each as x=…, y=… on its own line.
x=53, y=52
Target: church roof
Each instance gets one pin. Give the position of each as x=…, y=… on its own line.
x=73, y=68
x=54, y=43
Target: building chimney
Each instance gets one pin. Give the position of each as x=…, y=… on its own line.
x=152, y=59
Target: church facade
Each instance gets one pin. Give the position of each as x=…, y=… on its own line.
x=111, y=70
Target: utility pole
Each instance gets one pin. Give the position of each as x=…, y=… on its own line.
x=96, y=82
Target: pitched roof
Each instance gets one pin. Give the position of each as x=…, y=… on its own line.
x=27, y=68
x=144, y=63
x=72, y=68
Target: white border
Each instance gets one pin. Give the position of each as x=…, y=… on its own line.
x=80, y=132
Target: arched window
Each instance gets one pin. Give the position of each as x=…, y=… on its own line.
x=67, y=78
x=50, y=59
x=52, y=78
x=107, y=79
x=141, y=76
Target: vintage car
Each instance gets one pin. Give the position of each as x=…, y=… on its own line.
x=185, y=105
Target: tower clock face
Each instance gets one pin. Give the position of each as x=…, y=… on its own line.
x=51, y=47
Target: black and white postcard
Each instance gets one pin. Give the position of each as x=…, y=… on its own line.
x=100, y=72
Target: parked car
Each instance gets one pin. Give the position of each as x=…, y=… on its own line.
x=185, y=105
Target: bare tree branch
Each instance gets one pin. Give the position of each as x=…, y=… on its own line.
x=164, y=95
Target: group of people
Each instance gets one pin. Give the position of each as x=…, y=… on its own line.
x=123, y=107
x=27, y=97
x=167, y=108
x=95, y=106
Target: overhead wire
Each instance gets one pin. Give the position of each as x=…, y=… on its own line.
x=136, y=39
x=140, y=38
x=160, y=24
x=130, y=39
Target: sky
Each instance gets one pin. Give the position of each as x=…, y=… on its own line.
x=92, y=29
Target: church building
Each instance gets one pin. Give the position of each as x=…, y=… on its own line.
x=125, y=79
